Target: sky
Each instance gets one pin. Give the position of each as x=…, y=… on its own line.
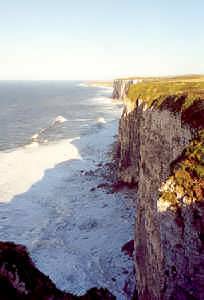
x=94, y=39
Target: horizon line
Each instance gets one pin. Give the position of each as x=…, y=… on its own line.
x=115, y=78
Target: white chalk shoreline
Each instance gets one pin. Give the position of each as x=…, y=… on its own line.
x=73, y=234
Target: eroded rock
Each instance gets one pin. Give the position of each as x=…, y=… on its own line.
x=21, y=280
x=169, y=231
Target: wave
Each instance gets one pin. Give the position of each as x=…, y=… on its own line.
x=59, y=120
x=54, y=131
x=101, y=120
x=34, y=137
x=101, y=100
x=107, y=89
x=81, y=120
x=41, y=135
x=32, y=145
x=83, y=85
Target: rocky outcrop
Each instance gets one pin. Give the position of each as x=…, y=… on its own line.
x=21, y=280
x=161, y=151
x=121, y=87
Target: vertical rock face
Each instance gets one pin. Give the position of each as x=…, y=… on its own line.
x=129, y=158
x=169, y=230
x=120, y=88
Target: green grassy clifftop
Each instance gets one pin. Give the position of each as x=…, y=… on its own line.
x=155, y=90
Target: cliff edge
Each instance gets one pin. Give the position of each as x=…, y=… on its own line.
x=121, y=87
x=21, y=280
x=161, y=150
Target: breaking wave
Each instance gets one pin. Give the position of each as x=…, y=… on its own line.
x=40, y=137
x=100, y=120
x=59, y=120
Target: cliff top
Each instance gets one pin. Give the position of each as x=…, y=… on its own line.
x=159, y=88
x=177, y=94
x=184, y=94
x=187, y=77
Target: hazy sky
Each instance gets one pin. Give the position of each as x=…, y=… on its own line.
x=93, y=39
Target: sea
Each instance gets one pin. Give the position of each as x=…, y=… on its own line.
x=42, y=112
x=55, y=138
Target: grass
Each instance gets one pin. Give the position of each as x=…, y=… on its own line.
x=193, y=157
x=182, y=93
x=187, y=179
x=187, y=77
x=155, y=90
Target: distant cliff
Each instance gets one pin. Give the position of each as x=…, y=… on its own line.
x=121, y=87
x=161, y=150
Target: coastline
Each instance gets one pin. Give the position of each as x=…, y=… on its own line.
x=72, y=214
x=98, y=84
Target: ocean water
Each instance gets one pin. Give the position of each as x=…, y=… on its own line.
x=48, y=111
x=49, y=201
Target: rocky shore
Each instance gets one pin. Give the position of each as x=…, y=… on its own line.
x=74, y=222
x=20, y=279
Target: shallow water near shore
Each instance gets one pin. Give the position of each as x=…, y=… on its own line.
x=74, y=231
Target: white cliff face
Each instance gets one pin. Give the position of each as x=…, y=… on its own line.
x=169, y=255
x=120, y=88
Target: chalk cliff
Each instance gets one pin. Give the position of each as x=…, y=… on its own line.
x=120, y=88
x=161, y=150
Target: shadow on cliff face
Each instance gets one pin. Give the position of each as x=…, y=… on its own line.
x=181, y=214
x=193, y=115
x=21, y=280
x=180, y=208
x=169, y=242
x=182, y=240
x=177, y=243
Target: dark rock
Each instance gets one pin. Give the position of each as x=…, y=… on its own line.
x=128, y=248
x=21, y=280
x=194, y=115
x=99, y=165
x=103, y=185
x=89, y=173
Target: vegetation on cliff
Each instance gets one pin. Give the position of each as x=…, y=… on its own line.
x=154, y=91
x=163, y=149
x=184, y=95
x=186, y=183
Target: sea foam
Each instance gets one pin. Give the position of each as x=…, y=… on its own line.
x=59, y=120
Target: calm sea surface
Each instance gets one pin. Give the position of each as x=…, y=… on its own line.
x=48, y=111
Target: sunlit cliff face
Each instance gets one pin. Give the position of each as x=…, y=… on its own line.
x=186, y=185
x=172, y=196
